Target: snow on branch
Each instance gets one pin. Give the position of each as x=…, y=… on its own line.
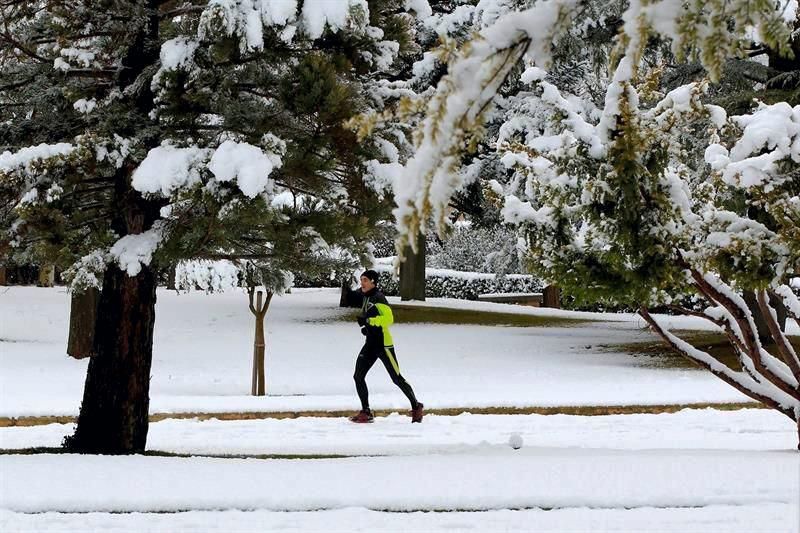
x=769, y=135
x=742, y=381
x=24, y=158
x=215, y=276
x=790, y=300
x=168, y=168
x=246, y=19
x=456, y=110
x=454, y=114
x=133, y=251
x=246, y=164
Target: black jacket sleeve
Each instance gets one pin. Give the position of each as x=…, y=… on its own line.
x=350, y=298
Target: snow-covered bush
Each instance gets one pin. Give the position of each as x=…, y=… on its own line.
x=469, y=248
x=441, y=283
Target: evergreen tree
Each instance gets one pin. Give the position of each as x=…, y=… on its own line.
x=147, y=132
x=656, y=197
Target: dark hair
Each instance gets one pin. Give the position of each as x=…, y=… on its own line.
x=371, y=275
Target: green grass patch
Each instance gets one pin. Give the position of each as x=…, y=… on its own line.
x=415, y=314
x=658, y=354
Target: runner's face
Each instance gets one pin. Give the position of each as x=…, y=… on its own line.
x=366, y=284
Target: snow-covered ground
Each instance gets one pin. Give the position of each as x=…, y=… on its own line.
x=203, y=347
x=696, y=429
x=763, y=518
x=696, y=470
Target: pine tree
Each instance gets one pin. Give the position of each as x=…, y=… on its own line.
x=140, y=134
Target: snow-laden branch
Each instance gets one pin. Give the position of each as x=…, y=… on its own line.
x=742, y=381
x=785, y=347
x=456, y=109
x=769, y=135
x=757, y=360
x=430, y=178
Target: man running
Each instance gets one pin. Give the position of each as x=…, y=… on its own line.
x=375, y=319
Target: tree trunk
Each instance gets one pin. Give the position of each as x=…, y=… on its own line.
x=114, y=413
x=82, y=318
x=761, y=325
x=412, y=272
x=3, y=277
x=171, y=277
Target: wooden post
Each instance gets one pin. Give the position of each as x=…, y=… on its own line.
x=258, y=379
x=47, y=275
x=82, y=318
x=551, y=297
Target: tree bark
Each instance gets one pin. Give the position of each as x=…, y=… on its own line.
x=82, y=318
x=171, y=275
x=116, y=397
x=764, y=334
x=412, y=272
x=114, y=413
x=3, y=277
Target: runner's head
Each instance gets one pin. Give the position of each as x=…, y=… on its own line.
x=369, y=280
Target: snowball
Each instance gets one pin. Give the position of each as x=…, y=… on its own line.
x=515, y=441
